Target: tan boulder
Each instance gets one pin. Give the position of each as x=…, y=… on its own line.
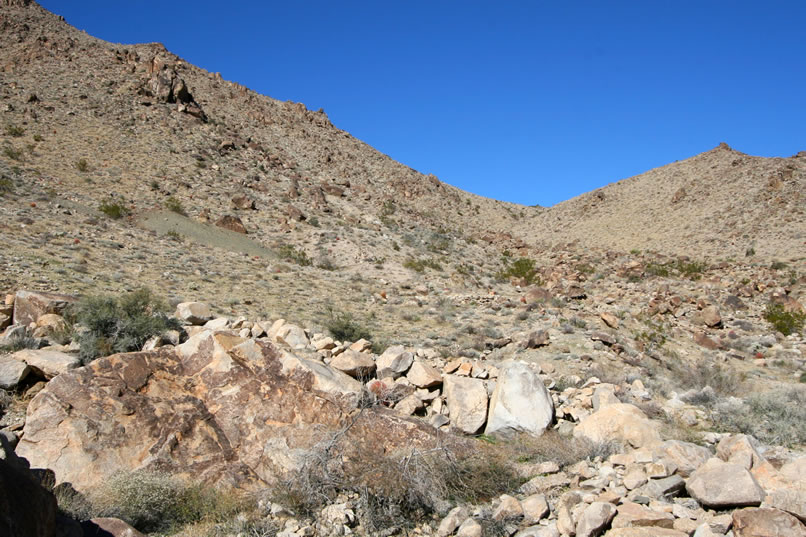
x=47, y=362
x=610, y=320
x=535, y=508
x=195, y=313
x=12, y=372
x=595, y=518
x=423, y=375
x=30, y=305
x=765, y=522
x=354, y=363
x=686, y=456
x=620, y=422
x=720, y=484
x=394, y=362
x=631, y=514
x=739, y=449
x=710, y=316
x=467, y=401
x=232, y=223
x=50, y=323
x=452, y=521
x=508, y=508
x=109, y=527
x=645, y=532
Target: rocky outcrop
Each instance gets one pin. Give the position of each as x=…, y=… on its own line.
x=218, y=408
x=30, y=305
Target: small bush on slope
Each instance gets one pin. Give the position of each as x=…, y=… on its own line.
x=118, y=324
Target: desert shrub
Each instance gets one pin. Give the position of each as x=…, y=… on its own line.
x=118, y=324
x=786, y=322
x=12, y=153
x=657, y=269
x=174, y=205
x=113, y=209
x=399, y=489
x=722, y=379
x=691, y=269
x=6, y=185
x=523, y=268
x=289, y=253
x=159, y=502
x=14, y=130
x=344, y=327
x=82, y=165
x=20, y=342
x=419, y=265
x=564, y=450
x=777, y=417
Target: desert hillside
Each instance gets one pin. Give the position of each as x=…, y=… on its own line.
x=719, y=204
x=223, y=316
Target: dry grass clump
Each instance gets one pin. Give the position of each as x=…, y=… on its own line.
x=553, y=446
x=776, y=417
x=152, y=502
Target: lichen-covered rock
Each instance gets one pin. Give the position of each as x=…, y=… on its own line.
x=218, y=408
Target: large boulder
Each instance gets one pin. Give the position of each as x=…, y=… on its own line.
x=621, y=422
x=195, y=313
x=30, y=305
x=686, y=456
x=764, y=522
x=355, y=364
x=467, y=402
x=520, y=402
x=218, y=408
x=720, y=484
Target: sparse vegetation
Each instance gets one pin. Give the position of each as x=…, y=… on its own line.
x=785, y=322
x=111, y=324
x=14, y=130
x=18, y=343
x=82, y=165
x=175, y=206
x=344, y=327
x=113, y=209
x=523, y=268
x=6, y=185
x=290, y=253
x=12, y=153
x=153, y=502
x=776, y=417
x=419, y=265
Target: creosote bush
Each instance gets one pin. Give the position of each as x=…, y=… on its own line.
x=419, y=265
x=113, y=209
x=82, y=165
x=118, y=324
x=344, y=327
x=523, y=268
x=174, y=205
x=289, y=253
x=786, y=322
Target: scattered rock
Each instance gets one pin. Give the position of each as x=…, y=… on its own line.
x=765, y=522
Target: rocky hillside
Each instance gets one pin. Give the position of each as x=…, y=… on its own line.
x=720, y=204
x=336, y=344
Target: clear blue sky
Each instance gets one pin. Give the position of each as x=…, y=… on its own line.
x=526, y=101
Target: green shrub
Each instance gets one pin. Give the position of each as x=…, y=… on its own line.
x=344, y=327
x=776, y=417
x=82, y=165
x=523, y=268
x=113, y=209
x=174, y=205
x=118, y=324
x=691, y=269
x=15, y=131
x=6, y=186
x=419, y=265
x=783, y=321
x=657, y=269
x=12, y=153
x=38, y=138
x=290, y=253
x=18, y=343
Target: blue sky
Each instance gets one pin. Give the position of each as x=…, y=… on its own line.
x=525, y=101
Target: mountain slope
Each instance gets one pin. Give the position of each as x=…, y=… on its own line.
x=718, y=204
